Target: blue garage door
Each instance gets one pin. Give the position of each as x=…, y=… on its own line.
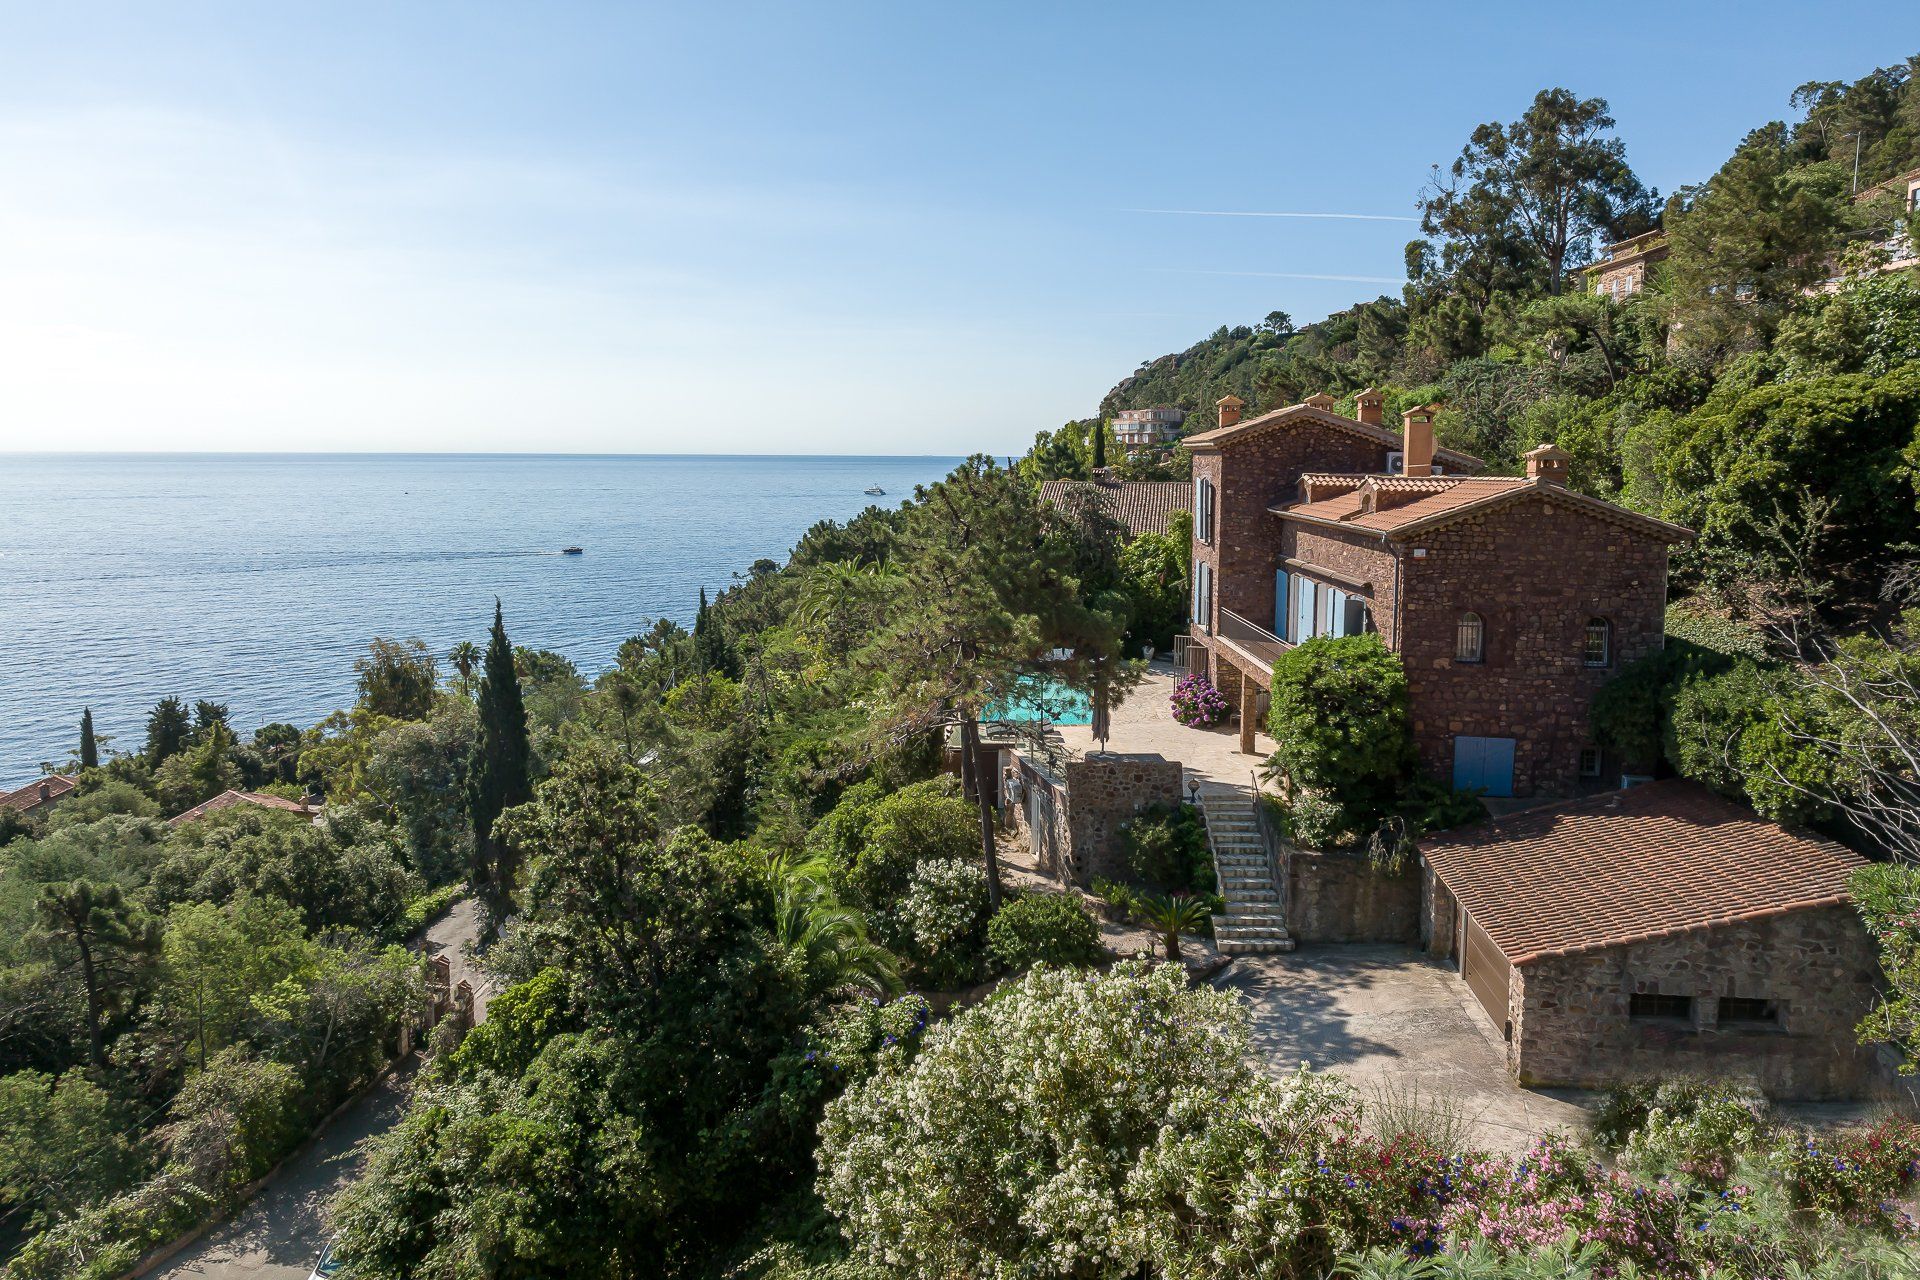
x=1483, y=764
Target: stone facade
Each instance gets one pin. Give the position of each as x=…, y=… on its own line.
x=1536, y=572
x=1263, y=469
x=1572, y=1027
x=1071, y=817
x=1339, y=897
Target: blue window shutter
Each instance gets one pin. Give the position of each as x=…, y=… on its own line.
x=1280, y=602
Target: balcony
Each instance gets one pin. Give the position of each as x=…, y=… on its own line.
x=1259, y=645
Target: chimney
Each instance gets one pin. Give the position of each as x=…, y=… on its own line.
x=1416, y=441
x=1321, y=400
x=1230, y=407
x=46, y=792
x=1547, y=464
x=1370, y=407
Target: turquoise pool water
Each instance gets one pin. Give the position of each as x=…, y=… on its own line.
x=1044, y=700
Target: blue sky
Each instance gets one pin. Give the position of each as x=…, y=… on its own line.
x=836, y=228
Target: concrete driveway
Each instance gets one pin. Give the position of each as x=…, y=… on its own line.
x=1391, y=1019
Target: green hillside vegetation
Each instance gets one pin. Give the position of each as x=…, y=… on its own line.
x=727, y=865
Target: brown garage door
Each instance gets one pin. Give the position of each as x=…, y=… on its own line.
x=1486, y=971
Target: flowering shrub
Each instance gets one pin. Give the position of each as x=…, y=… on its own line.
x=1697, y=1130
x=1551, y=1193
x=1197, y=704
x=1008, y=1146
x=1855, y=1177
x=944, y=915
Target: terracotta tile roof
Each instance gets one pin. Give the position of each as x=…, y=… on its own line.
x=1141, y=505
x=1413, y=503
x=1653, y=861
x=228, y=799
x=31, y=797
x=1307, y=414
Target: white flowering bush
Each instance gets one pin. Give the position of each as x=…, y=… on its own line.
x=943, y=918
x=1011, y=1146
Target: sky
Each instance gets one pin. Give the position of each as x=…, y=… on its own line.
x=886, y=228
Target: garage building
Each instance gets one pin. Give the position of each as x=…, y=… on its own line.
x=1659, y=929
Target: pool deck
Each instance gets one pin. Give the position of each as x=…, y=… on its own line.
x=1143, y=725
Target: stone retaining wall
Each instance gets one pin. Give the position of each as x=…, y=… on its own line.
x=1339, y=897
x=1071, y=818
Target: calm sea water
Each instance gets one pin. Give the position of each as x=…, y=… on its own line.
x=257, y=579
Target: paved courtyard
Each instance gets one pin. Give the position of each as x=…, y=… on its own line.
x=1389, y=1018
x=1143, y=725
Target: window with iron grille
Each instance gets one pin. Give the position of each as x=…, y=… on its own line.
x=1599, y=646
x=1470, y=639
x=1653, y=1005
x=1748, y=1011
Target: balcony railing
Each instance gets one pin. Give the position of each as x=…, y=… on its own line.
x=1251, y=639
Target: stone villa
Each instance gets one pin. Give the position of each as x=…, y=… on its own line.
x=1510, y=599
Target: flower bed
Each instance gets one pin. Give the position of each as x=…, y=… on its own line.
x=1197, y=704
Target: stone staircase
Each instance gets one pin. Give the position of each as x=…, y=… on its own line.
x=1255, y=919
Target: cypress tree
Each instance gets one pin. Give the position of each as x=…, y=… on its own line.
x=89, y=748
x=710, y=651
x=1099, y=445
x=498, y=770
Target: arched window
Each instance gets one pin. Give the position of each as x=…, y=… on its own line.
x=1470, y=640
x=1599, y=645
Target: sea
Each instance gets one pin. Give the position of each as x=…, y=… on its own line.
x=257, y=579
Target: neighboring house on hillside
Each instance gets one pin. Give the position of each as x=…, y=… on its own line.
x=37, y=797
x=1902, y=195
x=259, y=799
x=1623, y=272
x=1510, y=600
x=1137, y=429
x=1141, y=505
x=1657, y=930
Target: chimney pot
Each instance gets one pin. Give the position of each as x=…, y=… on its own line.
x=1548, y=464
x=1369, y=406
x=1416, y=441
x=1321, y=400
x=1230, y=407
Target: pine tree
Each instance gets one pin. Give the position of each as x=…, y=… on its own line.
x=168, y=728
x=89, y=748
x=111, y=942
x=498, y=770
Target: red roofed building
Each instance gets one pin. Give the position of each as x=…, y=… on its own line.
x=1141, y=505
x=259, y=799
x=1658, y=929
x=1510, y=599
x=36, y=797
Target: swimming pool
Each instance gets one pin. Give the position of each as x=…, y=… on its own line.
x=1049, y=700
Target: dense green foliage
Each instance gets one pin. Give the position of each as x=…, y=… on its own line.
x=1345, y=737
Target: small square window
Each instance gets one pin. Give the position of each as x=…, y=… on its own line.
x=1589, y=762
x=1651, y=1005
x=1748, y=1011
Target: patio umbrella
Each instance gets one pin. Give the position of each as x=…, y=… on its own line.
x=1102, y=720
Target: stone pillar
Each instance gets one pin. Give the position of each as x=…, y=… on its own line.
x=1249, y=716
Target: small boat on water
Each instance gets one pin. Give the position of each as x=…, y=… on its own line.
x=876, y=491
x=572, y=551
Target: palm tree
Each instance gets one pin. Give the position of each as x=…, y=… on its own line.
x=1172, y=916
x=465, y=658
x=830, y=939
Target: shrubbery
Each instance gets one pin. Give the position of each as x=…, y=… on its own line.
x=1165, y=847
x=1050, y=928
x=1197, y=704
x=943, y=919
